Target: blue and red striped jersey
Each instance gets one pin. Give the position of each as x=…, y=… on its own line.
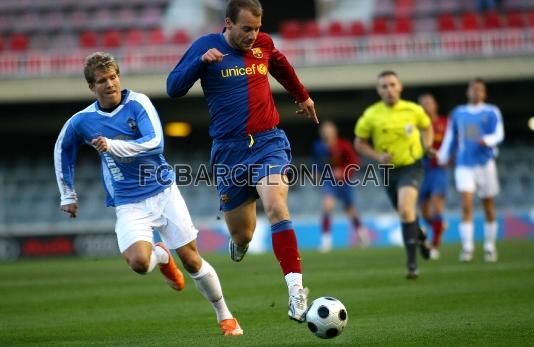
x=237, y=89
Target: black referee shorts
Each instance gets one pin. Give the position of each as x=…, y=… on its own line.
x=409, y=175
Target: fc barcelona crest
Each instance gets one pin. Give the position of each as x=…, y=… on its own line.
x=256, y=52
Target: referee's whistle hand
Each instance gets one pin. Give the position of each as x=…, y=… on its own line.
x=384, y=158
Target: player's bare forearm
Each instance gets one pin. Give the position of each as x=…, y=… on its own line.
x=427, y=138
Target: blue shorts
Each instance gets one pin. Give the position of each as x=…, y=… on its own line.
x=435, y=183
x=340, y=191
x=238, y=164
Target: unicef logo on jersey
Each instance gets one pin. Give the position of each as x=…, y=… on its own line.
x=123, y=160
x=244, y=71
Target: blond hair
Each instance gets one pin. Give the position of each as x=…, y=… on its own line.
x=99, y=61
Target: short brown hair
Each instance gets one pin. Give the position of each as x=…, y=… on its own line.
x=387, y=73
x=99, y=61
x=234, y=6
x=477, y=80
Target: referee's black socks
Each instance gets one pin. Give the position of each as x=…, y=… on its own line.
x=409, y=235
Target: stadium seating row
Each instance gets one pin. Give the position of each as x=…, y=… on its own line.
x=53, y=24
x=468, y=21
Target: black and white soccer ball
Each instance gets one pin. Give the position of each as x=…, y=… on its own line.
x=327, y=317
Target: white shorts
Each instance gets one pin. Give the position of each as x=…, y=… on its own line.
x=482, y=179
x=165, y=211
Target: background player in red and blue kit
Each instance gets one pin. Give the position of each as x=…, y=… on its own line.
x=435, y=184
x=337, y=163
x=247, y=146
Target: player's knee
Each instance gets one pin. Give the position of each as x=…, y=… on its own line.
x=276, y=210
x=139, y=264
x=406, y=213
x=192, y=263
x=190, y=258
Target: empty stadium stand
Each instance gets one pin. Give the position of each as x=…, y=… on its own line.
x=396, y=29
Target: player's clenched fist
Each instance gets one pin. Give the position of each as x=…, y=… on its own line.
x=213, y=55
x=100, y=144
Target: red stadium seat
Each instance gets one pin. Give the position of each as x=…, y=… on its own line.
x=290, y=29
x=133, y=38
x=180, y=37
x=1, y=43
x=112, y=39
x=156, y=37
x=357, y=29
x=311, y=29
x=18, y=42
x=515, y=20
x=402, y=26
x=446, y=22
x=492, y=20
x=531, y=19
x=404, y=8
x=336, y=29
x=470, y=21
x=379, y=26
x=88, y=39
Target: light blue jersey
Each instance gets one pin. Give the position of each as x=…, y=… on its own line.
x=134, y=156
x=468, y=126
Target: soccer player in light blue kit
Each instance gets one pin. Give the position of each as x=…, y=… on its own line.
x=124, y=127
x=473, y=133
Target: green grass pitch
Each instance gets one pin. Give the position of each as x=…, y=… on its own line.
x=58, y=302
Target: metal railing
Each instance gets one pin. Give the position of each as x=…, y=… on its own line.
x=306, y=52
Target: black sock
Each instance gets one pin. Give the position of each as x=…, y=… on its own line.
x=409, y=235
x=421, y=235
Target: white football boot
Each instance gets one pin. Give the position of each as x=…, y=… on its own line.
x=298, y=303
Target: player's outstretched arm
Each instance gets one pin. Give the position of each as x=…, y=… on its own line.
x=65, y=152
x=307, y=108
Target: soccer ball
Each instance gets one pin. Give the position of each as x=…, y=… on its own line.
x=327, y=317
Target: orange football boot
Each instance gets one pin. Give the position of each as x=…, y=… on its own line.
x=230, y=327
x=170, y=271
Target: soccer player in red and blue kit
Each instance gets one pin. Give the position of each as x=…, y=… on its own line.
x=435, y=184
x=247, y=146
x=337, y=164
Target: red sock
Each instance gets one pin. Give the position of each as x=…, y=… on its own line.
x=437, y=228
x=285, y=247
x=325, y=225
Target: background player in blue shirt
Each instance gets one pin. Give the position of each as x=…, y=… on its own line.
x=124, y=127
x=473, y=133
x=233, y=69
